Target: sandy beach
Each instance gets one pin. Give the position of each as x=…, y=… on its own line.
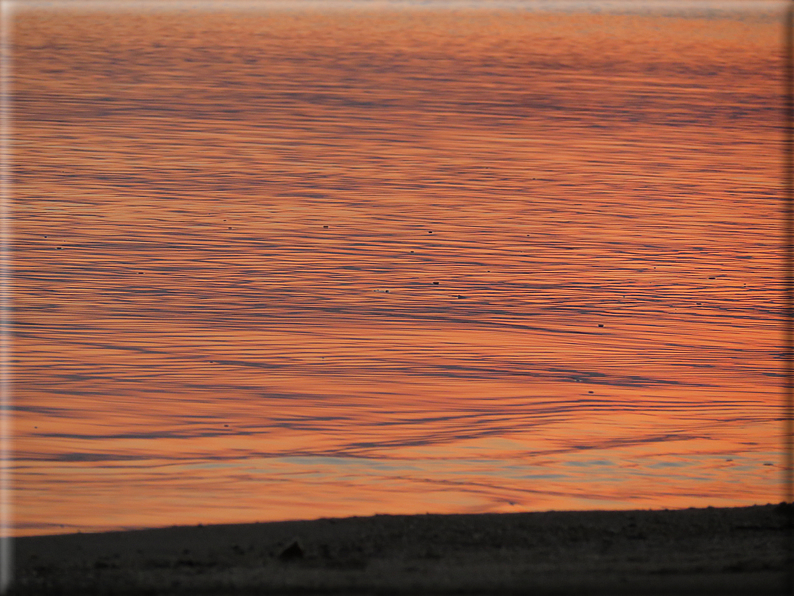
x=692, y=551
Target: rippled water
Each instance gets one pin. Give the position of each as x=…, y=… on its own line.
x=289, y=262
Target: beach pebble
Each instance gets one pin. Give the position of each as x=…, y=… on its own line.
x=292, y=552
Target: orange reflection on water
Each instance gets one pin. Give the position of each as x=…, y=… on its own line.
x=291, y=264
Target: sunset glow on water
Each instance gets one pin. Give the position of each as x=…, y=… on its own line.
x=280, y=263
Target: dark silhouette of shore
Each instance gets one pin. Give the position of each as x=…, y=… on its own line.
x=726, y=551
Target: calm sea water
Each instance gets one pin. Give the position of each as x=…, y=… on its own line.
x=277, y=262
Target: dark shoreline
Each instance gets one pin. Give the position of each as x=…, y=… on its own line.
x=692, y=551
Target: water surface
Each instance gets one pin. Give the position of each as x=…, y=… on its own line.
x=289, y=262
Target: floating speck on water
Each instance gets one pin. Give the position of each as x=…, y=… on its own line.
x=435, y=283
